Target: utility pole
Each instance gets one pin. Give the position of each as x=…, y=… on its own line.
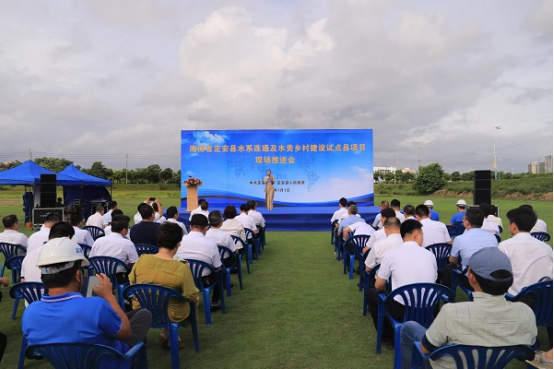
x=126, y=166
x=30, y=155
x=494, y=153
x=417, y=161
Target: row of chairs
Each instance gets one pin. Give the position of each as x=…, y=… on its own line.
x=463, y=355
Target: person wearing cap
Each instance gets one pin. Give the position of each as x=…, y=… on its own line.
x=459, y=216
x=342, y=210
x=197, y=246
x=489, y=320
x=377, y=221
x=434, y=215
x=407, y=264
x=433, y=231
x=11, y=234
x=163, y=270
x=466, y=244
x=37, y=240
x=531, y=259
x=65, y=316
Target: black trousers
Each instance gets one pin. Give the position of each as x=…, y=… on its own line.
x=210, y=280
x=394, y=308
x=447, y=272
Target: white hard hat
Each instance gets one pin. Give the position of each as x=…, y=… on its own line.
x=461, y=202
x=59, y=251
x=428, y=203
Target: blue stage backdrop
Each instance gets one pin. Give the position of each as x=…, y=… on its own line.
x=311, y=167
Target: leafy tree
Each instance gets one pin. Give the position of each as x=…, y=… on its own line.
x=456, y=176
x=447, y=177
x=153, y=173
x=98, y=170
x=468, y=176
x=53, y=164
x=429, y=179
x=166, y=175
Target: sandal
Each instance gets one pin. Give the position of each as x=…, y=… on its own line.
x=163, y=341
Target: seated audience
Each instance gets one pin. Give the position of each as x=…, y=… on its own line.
x=434, y=215
x=36, y=240
x=407, y=264
x=342, y=210
x=540, y=225
x=381, y=247
x=108, y=229
x=358, y=228
x=351, y=219
x=221, y=238
x=173, y=217
x=377, y=221
x=93, y=320
x=112, y=205
x=433, y=231
x=199, y=209
x=246, y=221
x=117, y=246
x=531, y=259
x=163, y=270
x=409, y=212
x=197, y=246
x=466, y=244
x=11, y=234
x=158, y=211
x=97, y=219
x=231, y=225
x=489, y=320
x=459, y=216
x=489, y=225
x=145, y=231
x=380, y=234
x=395, y=205
x=81, y=235
x=252, y=212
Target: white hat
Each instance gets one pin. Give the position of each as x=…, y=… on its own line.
x=428, y=203
x=461, y=202
x=58, y=251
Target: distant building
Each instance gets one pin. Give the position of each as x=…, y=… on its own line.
x=548, y=164
x=384, y=170
x=536, y=167
x=408, y=170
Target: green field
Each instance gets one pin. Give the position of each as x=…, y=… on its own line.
x=297, y=309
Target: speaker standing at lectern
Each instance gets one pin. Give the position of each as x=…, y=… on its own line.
x=269, y=181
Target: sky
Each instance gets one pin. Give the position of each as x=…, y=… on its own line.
x=96, y=80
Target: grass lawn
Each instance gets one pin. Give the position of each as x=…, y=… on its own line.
x=297, y=309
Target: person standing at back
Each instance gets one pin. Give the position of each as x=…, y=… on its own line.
x=145, y=232
x=11, y=234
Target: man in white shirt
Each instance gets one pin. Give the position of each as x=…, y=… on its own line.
x=409, y=212
x=231, y=225
x=117, y=246
x=10, y=234
x=407, y=264
x=202, y=208
x=380, y=234
x=540, y=225
x=196, y=246
x=36, y=240
x=377, y=221
x=29, y=270
x=342, y=210
x=252, y=212
x=172, y=216
x=81, y=236
x=381, y=247
x=395, y=205
x=489, y=225
x=433, y=231
x=246, y=221
x=221, y=238
x=158, y=211
x=531, y=259
x=97, y=219
x=112, y=205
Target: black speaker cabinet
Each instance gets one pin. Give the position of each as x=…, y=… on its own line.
x=47, y=190
x=482, y=187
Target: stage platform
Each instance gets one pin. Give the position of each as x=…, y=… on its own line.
x=316, y=218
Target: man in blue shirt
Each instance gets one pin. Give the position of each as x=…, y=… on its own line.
x=65, y=316
x=459, y=216
x=350, y=219
x=432, y=213
x=466, y=244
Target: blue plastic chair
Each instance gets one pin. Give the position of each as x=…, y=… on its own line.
x=475, y=357
x=95, y=232
x=71, y=356
x=143, y=248
x=223, y=253
x=108, y=266
x=541, y=236
x=247, y=249
x=261, y=236
x=456, y=276
x=333, y=225
x=339, y=244
x=9, y=250
x=441, y=252
x=31, y=292
x=156, y=299
x=419, y=300
x=86, y=249
x=368, y=276
x=256, y=244
x=452, y=231
x=540, y=297
x=359, y=242
x=14, y=264
x=197, y=267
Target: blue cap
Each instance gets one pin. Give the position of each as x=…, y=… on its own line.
x=489, y=260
